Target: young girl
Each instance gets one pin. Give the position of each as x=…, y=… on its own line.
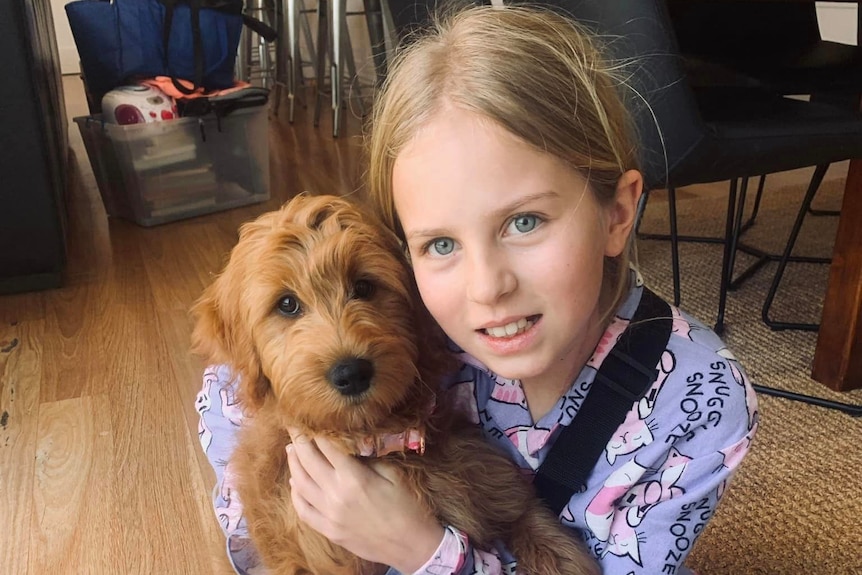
x=501, y=154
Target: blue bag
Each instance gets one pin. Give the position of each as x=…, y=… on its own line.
x=195, y=40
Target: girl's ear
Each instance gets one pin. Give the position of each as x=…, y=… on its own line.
x=622, y=212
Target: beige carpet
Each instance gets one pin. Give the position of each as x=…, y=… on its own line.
x=795, y=505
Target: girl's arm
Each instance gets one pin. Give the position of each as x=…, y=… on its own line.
x=456, y=556
x=218, y=424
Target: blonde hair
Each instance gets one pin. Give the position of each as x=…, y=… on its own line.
x=537, y=74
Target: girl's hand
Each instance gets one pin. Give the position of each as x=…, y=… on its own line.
x=364, y=508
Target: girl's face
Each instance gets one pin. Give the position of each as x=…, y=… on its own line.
x=507, y=246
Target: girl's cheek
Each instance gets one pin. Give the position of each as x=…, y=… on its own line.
x=433, y=289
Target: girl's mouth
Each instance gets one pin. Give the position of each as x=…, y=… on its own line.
x=511, y=329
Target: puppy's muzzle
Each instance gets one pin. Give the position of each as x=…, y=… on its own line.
x=351, y=376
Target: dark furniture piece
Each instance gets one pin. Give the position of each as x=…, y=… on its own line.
x=752, y=43
x=838, y=354
x=34, y=144
x=774, y=46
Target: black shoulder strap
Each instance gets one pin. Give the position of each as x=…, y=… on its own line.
x=624, y=377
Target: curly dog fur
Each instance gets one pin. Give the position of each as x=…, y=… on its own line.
x=314, y=294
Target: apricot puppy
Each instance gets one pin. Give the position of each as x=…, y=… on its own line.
x=318, y=315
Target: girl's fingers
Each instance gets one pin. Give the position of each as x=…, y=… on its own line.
x=306, y=512
x=339, y=460
x=308, y=453
x=301, y=482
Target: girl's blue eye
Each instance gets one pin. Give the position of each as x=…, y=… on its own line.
x=525, y=223
x=441, y=246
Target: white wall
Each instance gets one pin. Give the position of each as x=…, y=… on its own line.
x=838, y=21
x=65, y=43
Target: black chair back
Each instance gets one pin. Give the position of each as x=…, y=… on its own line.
x=638, y=34
x=731, y=30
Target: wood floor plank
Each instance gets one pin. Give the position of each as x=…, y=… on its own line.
x=20, y=377
x=16, y=308
x=73, y=515
x=158, y=516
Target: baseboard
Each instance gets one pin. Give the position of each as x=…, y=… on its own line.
x=33, y=282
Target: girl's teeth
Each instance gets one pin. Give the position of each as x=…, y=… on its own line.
x=510, y=329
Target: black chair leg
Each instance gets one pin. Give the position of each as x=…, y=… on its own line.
x=816, y=179
x=756, y=207
x=674, y=243
x=848, y=408
x=814, y=212
x=737, y=232
x=726, y=259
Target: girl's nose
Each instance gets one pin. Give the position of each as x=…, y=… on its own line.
x=489, y=278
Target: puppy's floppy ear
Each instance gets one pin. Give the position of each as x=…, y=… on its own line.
x=221, y=335
x=209, y=336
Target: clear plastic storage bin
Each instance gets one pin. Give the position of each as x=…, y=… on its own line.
x=166, y=171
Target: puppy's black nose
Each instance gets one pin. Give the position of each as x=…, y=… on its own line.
x=351, y=376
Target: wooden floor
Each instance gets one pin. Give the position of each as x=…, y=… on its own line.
x=100, y=469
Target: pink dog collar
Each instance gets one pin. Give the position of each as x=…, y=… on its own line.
x=380, y=445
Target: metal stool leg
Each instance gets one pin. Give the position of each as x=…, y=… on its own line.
x=309, y=41
x=322, y=51
x=254, y=60
x=337, y=16
x=243, y=57
x=350, y=64
x=281, y=60
x=263, y=56
x=294, y=66
x=289, y=64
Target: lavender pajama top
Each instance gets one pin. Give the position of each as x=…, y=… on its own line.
x=648, y=498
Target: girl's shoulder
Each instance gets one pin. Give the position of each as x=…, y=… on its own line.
x=687, y=329
x=701, y=389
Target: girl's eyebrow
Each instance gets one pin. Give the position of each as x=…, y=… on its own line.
x=429, y=233
x=496, y=214
x=523, y=201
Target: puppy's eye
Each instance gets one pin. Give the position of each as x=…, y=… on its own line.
x=289, y=306
x=363, y=289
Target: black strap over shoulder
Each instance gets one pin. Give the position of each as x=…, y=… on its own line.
x=623, y=378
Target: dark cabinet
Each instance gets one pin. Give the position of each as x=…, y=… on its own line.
x=33, y=149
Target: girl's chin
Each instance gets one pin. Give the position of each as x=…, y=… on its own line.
x=508, y=369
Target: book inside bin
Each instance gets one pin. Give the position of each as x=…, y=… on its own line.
x=165, y=171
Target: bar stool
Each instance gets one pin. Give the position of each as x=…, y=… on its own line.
x=333, y=34
x=292, y=19
x=255, y=59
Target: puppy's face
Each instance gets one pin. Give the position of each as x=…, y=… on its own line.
x=316, y=310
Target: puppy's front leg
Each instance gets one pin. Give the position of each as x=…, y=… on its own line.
x=485, y=495
x=543, y=546
x=260, y=462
